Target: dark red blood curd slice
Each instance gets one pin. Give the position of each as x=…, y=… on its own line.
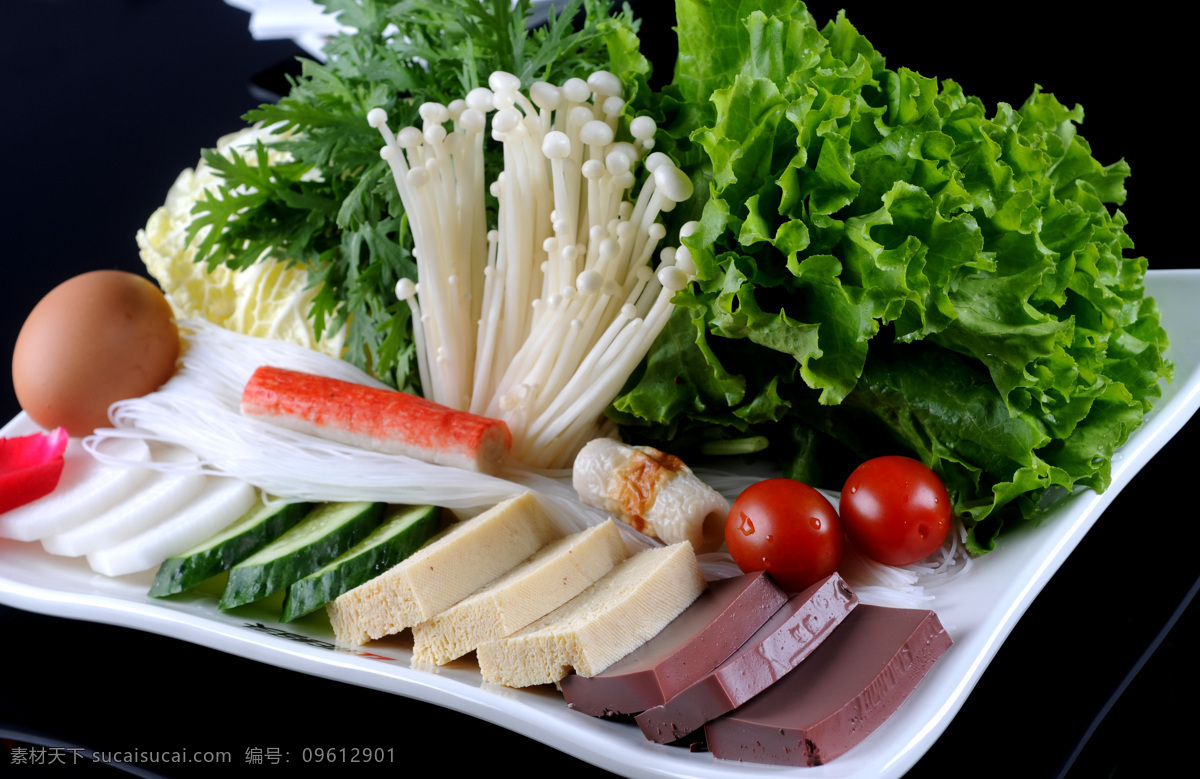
x=788, y=637
x=837, y=697
x=720, y=621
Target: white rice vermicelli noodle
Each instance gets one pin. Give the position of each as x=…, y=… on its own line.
x=200, y=410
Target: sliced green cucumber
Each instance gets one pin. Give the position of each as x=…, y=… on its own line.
x=404, y=530
x=327, y=531
x=258, y=527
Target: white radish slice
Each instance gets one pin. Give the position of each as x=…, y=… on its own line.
x=161, y=496
x=86, y=487
x=222, y=502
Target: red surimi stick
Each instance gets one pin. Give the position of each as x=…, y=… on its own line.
x=382, y=420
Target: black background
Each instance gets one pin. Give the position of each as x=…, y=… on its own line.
x=105, y=101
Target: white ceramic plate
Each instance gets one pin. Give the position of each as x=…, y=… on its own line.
x=979, y=610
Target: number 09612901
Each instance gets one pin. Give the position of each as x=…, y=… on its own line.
x=347, y=755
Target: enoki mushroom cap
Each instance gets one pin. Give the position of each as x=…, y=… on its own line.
x=410, y=138
x=406, y=289
x=434, y=112
x=596, y=133
x=480, y=98
x=589, y=282
x=472, y=120
x=673, y=183
x=556, y=145
x=377, y=117
x=604, y=83
x=576, y=90
x=592, y=170
x=545, y=95
x=672, y=278
x=501, y=81
x=642, y=128
x=505, y=121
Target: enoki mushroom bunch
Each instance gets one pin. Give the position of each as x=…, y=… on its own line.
x=540, y=321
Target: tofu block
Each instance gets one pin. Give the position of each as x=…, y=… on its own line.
x=607, y=621
x=557, y=573
x=454, y=565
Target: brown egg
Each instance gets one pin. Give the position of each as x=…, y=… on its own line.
x=97, y=338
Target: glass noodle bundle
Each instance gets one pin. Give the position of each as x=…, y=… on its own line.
x=200, y=409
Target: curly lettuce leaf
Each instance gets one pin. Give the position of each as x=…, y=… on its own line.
x=885, y=267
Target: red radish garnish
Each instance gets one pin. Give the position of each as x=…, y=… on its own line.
x=30, y=466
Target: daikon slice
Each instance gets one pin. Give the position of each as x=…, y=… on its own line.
x=222, y=502
x=161, y=496
x=86, y=487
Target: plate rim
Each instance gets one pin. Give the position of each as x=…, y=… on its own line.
x=940, y=697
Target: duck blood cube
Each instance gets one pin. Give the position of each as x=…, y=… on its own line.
x=789, y=636
x=697, y=641
x=839, y=695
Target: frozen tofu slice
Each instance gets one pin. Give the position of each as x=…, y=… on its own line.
x=602, y=624
x=550, y=578
x=458, y=562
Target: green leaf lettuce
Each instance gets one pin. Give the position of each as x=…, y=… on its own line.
x=884, y=267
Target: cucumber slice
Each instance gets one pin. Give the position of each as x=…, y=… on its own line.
x=258, y=527
x=327, y=531
x=404, y=530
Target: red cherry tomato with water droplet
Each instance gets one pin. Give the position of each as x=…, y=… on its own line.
x=786, y=528
x=895, y=509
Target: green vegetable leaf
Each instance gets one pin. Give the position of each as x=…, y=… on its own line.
x=889, y=268
x=333, y=208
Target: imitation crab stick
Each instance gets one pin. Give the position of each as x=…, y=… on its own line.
x=378, y=419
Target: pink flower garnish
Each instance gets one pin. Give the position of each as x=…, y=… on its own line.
x=30, y=467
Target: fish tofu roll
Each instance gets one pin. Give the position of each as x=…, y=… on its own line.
x=653, y=492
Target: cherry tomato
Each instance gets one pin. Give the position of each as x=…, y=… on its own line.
x=896, y=510
x=786, y=528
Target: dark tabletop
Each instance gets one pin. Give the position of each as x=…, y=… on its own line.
x=105, y=101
